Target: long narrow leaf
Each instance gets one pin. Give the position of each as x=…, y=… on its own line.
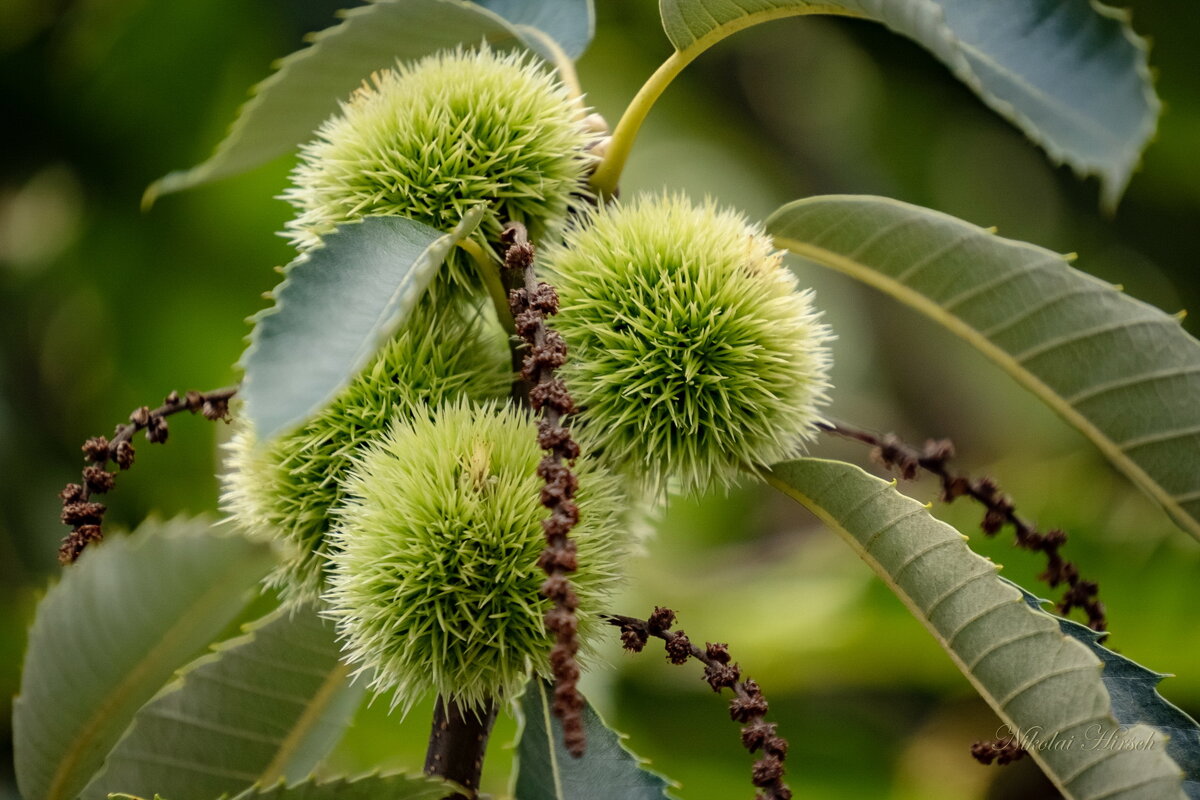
x=1071, y=74
x=1122, y=372
x=1135, y=699
x=111, y=633
x=369, y=787
x=266, y=706
x=337, y=305
x=306, y=87
x=366, y=787
x=1033, y=674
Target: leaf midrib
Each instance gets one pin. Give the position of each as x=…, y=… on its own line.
x=381, y=323
x=706, y=40
x=908, y=602
x=195, y=613
x=304, y=724
x=1003, y=359
x=549, y=728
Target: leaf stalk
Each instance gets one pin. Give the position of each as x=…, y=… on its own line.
x=608, y=174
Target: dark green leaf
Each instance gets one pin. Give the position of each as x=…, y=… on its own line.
x=546, y=771
x=1135, y=699
x=111, y=633
x=264, y=706
x=287, y=107
x=337, y=305
x=1039, y=680
x=1122, y=372
x=369, y=787
x=1071, y=74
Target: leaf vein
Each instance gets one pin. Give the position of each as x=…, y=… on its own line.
x=1073, y=337
x=1121, y=383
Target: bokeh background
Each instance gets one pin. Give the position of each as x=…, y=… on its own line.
x=105, y=308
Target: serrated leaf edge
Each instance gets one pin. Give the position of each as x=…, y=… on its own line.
x=1114, y=181
x=1018, y=598
x=389, y=319
x=174, y=528
x=976, y=339
x=206, y=170
x=217, y=650
x=536, y=683
x=260, y=790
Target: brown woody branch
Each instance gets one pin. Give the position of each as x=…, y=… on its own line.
x=894, y=453
x=548, y=395
x=457, y=744
x=79, y=511
x=748, y=706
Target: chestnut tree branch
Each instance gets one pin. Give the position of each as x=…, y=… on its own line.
x=457, y=744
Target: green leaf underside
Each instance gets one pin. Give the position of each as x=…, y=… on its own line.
x=1135, y=699
x=546, y=771
x=1070, y=74
x=571, y=23
x=287, y=107
x=264, y=706
x=337, y=304
x=111, y=633
x=1121, y=371
x=1036, y=677
x=367, y=787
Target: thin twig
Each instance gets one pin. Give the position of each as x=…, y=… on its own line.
x=748, y=706
x=894, y=453
x=547, y=351
x=84, y=515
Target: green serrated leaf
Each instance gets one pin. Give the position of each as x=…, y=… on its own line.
x=337, y=305
x=570, y=23
x=1071, y=74
x=287, y=107
x=368, y=787
x=1135, y=699
x=265, y=706
x=546, y=771
x=1121, y=371
x=111, y=633
x=1038, y=679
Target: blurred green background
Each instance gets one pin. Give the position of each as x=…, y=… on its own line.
x=106, y=308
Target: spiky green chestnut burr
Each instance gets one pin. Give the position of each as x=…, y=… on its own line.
x=693, y=352
x=285, y=490
x=430, y=139
x=435, y=582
